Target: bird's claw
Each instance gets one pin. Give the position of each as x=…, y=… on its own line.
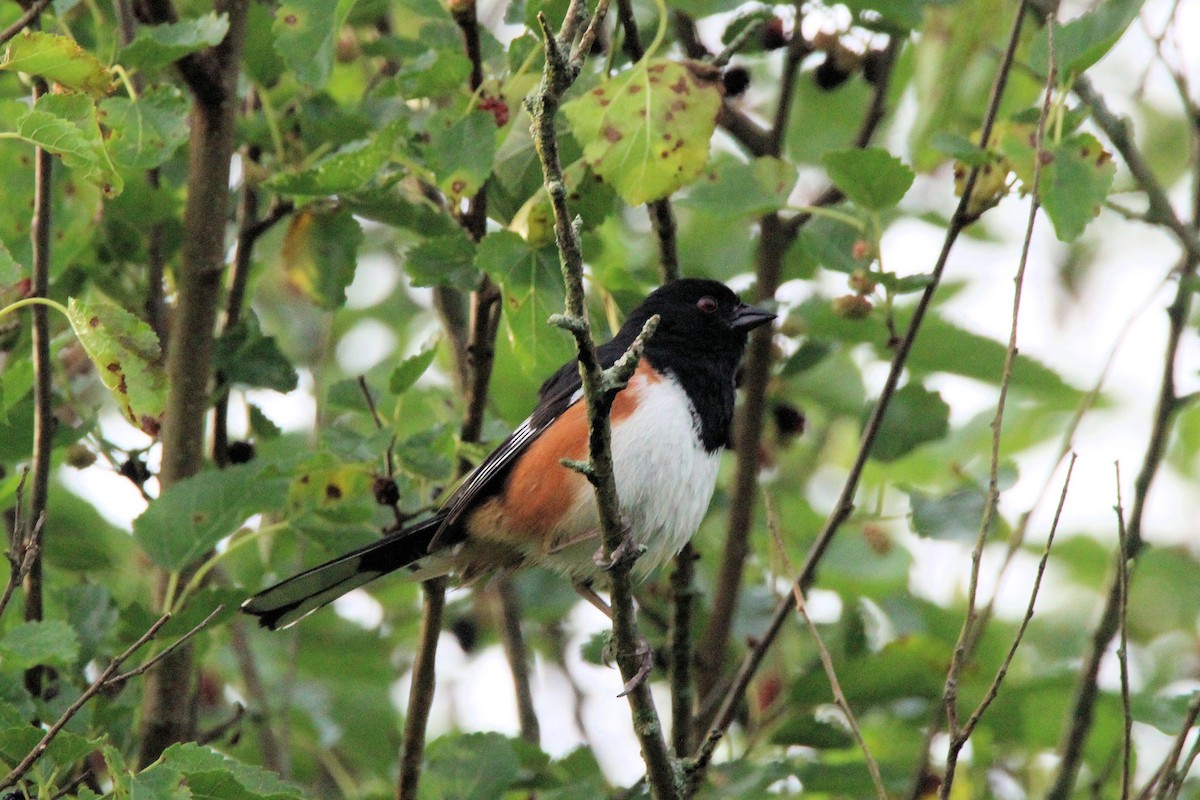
x=627, y=551
x=646, y=658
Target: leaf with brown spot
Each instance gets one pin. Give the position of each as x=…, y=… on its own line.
x=127, y=357
x=192, y=516
x=620, y=123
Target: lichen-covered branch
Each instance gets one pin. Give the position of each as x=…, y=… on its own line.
x=564, y=57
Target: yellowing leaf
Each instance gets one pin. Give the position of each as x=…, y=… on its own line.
x=127, y=357
x=67, y=125
x=647, y=130
x=58, y=59
x=319, y=253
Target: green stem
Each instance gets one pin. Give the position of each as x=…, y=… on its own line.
x=35, y=301
x=198, y=578
x=840, y=216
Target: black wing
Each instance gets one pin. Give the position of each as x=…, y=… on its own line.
x=560, y=391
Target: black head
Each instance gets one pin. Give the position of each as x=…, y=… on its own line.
x=701, y=334
x=698, y=316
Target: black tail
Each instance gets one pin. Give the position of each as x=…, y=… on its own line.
x=291, y=600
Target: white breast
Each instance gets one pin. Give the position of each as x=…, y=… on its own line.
x=665, y=481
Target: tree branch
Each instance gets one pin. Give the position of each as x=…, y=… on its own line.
x=1081, y=714
x=166, y=718
x=30, y=17
x=564, y=59
x=518, y=659
x=43, y=398
x=845, y=502
x=420, y=696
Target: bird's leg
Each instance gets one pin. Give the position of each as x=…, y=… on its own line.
x=644, y=652
x=586, y=591
x=646, y=658
x=627, y=551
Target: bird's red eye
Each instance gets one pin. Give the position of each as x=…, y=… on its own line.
x=707, y=305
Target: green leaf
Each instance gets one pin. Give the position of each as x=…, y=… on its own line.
x=320, y=251
x=68, y=126
x=460, y=153
x=50, y=642
x=160, y=782
x=411, y=368
x=873, y=178
x=647, y=130
x=347, y=170
x=159, y=45
x=1075, y=183
x=244, y=355
x=807, y=731
x=434, y=73
x=190, y=517
x=443, y=260
x=304, y=38
x=480, y=766
x=58, y=59
x=734, y=188
x=913, y=417
x=1084, y=40
x=147, y=131
x=127, y=357
x=954, y=516
x=261, y=425
x=214, y=775
x=14, y=285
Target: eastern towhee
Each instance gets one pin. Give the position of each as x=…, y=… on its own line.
x=522, y=506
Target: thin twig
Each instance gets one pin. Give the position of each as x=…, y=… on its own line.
x=420, y=696
x=43, y=398
x=274, y=757
x=104, y=681
x=680, y=645
x=22, y=556
x=29, y=17
x=839, y=697
x=970, y=628
x=773, y=244
x=518, y=659
x=994, y=688
x=845, y=502
x=1166, y=774
x=564, y=59
x=1123, y=647
x=1081, y=713
x=474, y=360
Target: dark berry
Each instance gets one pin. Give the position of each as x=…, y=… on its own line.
x=467, y=633
x=240, y=452
x=873, y=66
x=773, y=36
x=788, y=419
x=829, y=75
x=386, y=492
x=135, y=470
x=735, y=80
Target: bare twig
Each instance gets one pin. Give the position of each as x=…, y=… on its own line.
x=21, y=558
x=1160, y=784
x=680, y=644
x=518, y=659
x=994, y=688
x=970, y=630
x=274, y=756
x=420, y=697
x=845, y=502
x=106, y=680
x=839, y=697
x=28, y=18
x=1123, y=647
x=1081, y=713
x=43, y=411
x=474, y=356
x=564, y=58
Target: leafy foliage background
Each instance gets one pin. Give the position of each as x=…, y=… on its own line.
x=341, y=365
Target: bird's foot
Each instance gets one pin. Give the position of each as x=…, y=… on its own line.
x=625, y=553
x=645, y=656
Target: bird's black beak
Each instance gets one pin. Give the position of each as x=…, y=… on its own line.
x=747, y=318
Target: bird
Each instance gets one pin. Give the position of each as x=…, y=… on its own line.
x=522, y=506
